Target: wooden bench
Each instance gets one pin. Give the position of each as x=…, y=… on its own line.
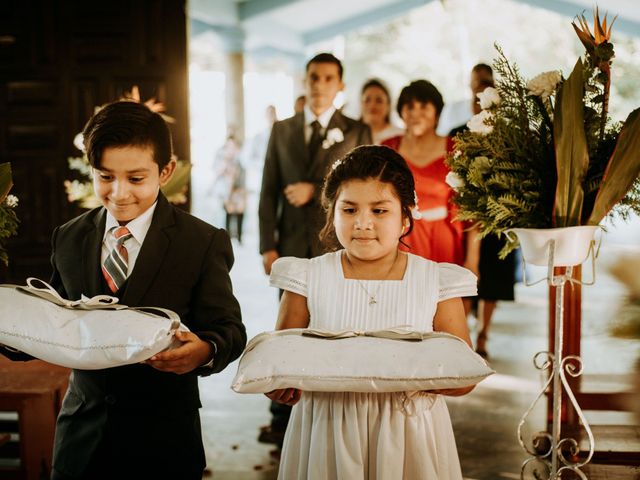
x=611, y=472
x=34, y=390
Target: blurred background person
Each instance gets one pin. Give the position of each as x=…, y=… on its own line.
x=375, y=105
x=481, y=78
x=235, y=202
x=298, y=105
x=252, y=162
x=436, y=235
x=255, y=148
x=229, y=184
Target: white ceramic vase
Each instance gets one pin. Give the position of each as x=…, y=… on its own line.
x=572, y=244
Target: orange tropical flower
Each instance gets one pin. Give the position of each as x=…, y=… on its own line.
x=600, y=34
x=151, y=104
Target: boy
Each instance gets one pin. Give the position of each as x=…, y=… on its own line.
x=142, y=421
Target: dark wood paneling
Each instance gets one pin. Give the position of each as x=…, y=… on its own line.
x=31, y=92
x=59, y=59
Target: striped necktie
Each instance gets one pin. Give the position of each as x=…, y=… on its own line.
x=115, y=265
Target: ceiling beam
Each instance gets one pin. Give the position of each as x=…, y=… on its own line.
x=368, y=18
x=570, y=9
x=253, y=8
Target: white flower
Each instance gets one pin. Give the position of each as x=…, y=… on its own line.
x=457, y=154
x=11, y=201
x=81, y=164
x=454, y=180
x=78, y=141
x=478, y=124
x=544, y=84
x=77, y=190
x=333, y=136
x=488, y=97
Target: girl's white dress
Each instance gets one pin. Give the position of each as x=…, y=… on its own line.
x=358, y=436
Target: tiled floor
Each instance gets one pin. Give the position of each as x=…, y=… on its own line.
x=485, y=421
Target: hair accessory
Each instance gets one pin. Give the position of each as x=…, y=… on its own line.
x=415, y=211
x=336, y=164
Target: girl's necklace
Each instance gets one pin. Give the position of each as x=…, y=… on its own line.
x=372, y=296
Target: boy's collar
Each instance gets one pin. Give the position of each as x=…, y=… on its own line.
x=138, y=227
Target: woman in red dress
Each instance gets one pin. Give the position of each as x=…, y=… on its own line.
x=436, y=236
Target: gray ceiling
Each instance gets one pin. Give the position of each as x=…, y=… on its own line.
x=289, y=26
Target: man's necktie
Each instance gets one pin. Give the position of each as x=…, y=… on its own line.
x=115, y=265
x=315, y=140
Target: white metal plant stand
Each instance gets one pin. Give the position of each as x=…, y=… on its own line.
x=564, y=247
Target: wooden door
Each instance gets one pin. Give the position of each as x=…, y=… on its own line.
x=59, y=59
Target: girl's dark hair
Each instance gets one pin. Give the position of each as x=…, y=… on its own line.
x=374, y=82
x=375, y=162
x=127, y=124
x=421, y=91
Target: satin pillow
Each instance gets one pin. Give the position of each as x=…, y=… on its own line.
x=393, y=360
x=88, y=334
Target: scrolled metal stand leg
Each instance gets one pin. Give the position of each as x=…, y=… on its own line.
x=552, y=458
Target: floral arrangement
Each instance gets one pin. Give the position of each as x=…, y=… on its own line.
x=8, y=217
x=545, y=153
x=81, y=191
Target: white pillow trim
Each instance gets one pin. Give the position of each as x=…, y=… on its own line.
x=72, y=347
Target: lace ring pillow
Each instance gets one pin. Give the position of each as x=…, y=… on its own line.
x=395, y=360
x=90, y=333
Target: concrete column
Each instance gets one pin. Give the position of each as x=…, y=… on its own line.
x=234, y=95
x=233, y=44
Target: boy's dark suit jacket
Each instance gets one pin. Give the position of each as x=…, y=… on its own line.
x=183, y=265
x=293, y=231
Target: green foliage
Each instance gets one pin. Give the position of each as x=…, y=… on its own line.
x=8, y=217
x=548, y=154
x=8, y=227
x=505, y=171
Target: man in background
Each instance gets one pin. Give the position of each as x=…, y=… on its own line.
x=300, y=151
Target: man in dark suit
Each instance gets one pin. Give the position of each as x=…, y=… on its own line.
x=300, y=151
x=142, y=420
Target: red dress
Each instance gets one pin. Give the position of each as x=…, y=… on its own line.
x=436, y=236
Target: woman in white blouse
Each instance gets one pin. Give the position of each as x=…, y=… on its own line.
x=375, y=104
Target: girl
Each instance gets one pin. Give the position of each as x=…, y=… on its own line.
x=370, y=284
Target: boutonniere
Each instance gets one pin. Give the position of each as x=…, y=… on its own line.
x=333, y=136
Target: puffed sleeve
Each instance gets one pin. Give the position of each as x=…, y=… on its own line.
x=456, y=281
x=290, y=273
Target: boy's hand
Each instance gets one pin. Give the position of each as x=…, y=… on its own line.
x=288, y=396
x=193, y=353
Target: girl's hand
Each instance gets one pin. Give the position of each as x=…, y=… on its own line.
x=287, y=396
